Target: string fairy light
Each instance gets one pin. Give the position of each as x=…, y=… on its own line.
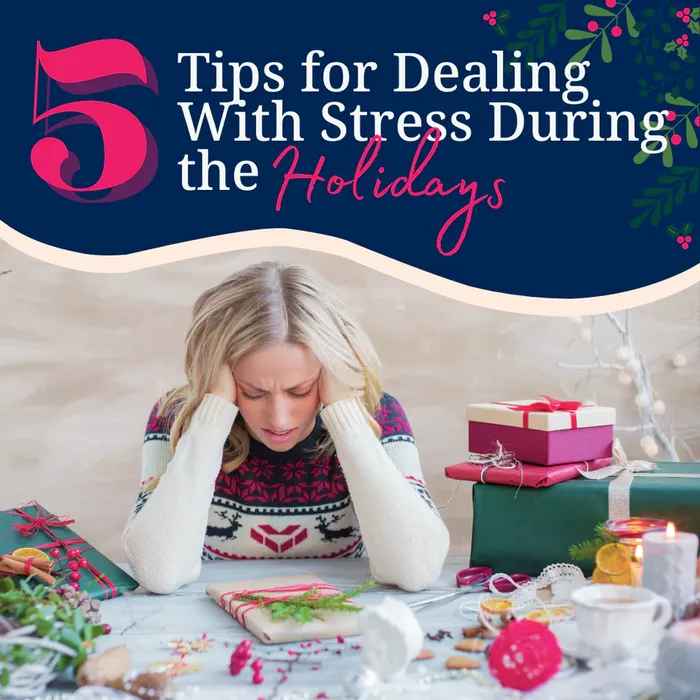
x=632, y=370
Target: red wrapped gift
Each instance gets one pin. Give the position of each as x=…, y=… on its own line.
x=521, y=474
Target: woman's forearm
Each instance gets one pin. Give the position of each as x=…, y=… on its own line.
x=406, y=539
x=163, y=539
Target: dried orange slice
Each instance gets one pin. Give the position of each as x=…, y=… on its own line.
x=30, y=552
x=496, y=605
x=613, y=559
x=539, y=616
x=601, y=577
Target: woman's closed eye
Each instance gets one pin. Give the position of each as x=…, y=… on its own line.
x=296, y=395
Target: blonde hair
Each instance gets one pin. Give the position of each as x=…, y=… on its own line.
x=262, y=305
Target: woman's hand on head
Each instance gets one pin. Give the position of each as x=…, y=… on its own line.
x=224, y=384
x=332, y=390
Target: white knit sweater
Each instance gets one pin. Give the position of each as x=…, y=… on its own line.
x=368, y=499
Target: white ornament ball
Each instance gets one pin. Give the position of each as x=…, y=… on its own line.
x=586, y=335
x=625, y=378
x=648, y=444
x=641, y=400
x=623, y=352
x=659, y=407
x=358, y=683
x=678, y=360
x=576, y=320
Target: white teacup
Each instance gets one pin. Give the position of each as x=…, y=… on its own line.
x=611, y=617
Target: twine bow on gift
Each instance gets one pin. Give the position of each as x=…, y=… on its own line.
x=549, y=405
x=41, y=521
x=619, y=489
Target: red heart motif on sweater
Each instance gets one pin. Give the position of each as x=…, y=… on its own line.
x=279, y=541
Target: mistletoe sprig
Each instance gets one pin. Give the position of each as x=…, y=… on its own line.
x=670, y=192
x=49, y=616
x=542, y=30
x=586, y=551
x=309, y=605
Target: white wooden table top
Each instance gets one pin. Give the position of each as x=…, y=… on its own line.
x=147, y=624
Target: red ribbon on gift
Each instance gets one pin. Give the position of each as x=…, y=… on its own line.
x=45, y=521
x=240, y=611
x=550, y=405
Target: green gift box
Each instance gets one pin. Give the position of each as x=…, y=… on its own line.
x=31, y=526
x=524, y=530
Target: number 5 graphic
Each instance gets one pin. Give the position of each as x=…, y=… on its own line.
x=130, y=152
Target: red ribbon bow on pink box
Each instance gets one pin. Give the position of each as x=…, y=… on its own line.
x=550, y=405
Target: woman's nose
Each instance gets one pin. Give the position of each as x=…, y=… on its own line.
x=280, y=414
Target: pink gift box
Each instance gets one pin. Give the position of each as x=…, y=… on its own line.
x=546, y=432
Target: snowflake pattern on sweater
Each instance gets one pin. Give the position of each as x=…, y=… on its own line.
x=287, y=504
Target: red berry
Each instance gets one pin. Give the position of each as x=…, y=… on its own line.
x=697, y=121
x=75, y=576
x=679, y=13
x=75, y=585
x=616, y=31
x=611, y=3
x=486, y=17
x=688, y=239
x=679, y=41
x=258, y=678
x=493, y=13
x=492, y=22
x=592, y=26
x=686, y=44
x=341, y=639
x=676, y=139
x=73, y=565
x=107, y=629
x=671, y=115
x=73, y=553
x=684, y=37
x=686, y=19
x=256, y=665
x=679, y=239
x=83, y=563
x=685, y=246
x=686, y=10
x=55, y=553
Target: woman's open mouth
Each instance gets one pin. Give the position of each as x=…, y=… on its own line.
x=276, y=436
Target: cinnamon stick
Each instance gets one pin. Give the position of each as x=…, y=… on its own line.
x=8, y=565
x=45, y=565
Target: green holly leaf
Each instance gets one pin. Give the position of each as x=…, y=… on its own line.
x=694, y=27
x=670, y=46
x=695, y=14
x=658, y=76
x=606, y=49
x=504, y=14
x=677, y=100
x=667, y=155
x=595, y=11
x=631, y=23
x=641, y=82
x=690, y=136
x=672, y=230
x=682, y=53
x=500, y=30
x=578, y=34
x=674, y=65
x=693, y=187
x=655, y=43
x=650, y=60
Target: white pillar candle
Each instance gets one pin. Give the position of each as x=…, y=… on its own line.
x=669, y=565
x=677, y=667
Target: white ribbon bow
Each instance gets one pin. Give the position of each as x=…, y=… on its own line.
x=619, y=490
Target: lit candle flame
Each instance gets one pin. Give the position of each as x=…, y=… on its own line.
x=670, y=531
x=639, y=553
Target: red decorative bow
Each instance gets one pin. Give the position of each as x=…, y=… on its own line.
x=41, y=521
x=550, y=405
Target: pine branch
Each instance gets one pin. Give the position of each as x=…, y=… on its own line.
x=586, y=551
x=309, y=605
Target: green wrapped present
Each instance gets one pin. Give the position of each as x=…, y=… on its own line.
x=75, y=560
x=524, y=530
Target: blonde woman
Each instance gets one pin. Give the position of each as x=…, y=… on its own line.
x=281, y=444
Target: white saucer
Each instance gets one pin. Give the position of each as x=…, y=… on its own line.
x=572, y=645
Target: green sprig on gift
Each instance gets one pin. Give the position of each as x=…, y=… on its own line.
x=309, y=605
x=586, y=551
x=48, y=615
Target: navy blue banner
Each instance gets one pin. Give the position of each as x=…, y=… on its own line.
x=565, y=164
